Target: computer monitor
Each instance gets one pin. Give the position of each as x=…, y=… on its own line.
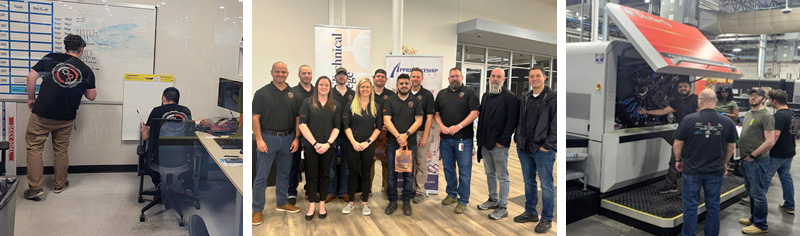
x=230, y=95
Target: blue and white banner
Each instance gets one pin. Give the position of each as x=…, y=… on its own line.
x=342, y=46
x=433, y=76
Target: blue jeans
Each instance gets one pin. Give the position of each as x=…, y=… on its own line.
x=783, y=167
x=278, y=149
x=408, y=178
x=712, y=186
x=457, y=188
x=293, y=179
x=540, y=162
x=339, y=172
x=495, y=163
x=755, y=181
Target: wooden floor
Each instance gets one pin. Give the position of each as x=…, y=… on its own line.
x=429, y=218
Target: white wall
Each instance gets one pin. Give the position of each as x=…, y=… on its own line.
x=194, y=43
x=750, y=69
x=284, y=30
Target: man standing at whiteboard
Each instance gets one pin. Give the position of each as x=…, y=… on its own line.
x=65, y=79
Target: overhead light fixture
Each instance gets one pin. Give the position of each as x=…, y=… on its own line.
x=221, y=7
x=737, y=50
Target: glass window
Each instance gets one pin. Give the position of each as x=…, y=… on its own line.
x=553, y=79
x=519, y=81
x=472, y=78
x=497, y=57
x=555, y=68
x=522, y=60
x=474, y=54
x=543, y=61
x=458, y=52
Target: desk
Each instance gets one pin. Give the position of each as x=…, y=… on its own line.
x=234, y=173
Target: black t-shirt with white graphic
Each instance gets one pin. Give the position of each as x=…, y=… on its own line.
x=706, y=135
x=64, y=81
x=784, y=146
x=169, y=111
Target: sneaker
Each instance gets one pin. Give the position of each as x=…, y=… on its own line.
x=489, y=204
x=460, y=208
x=257, y=218
x=667, y=189
x=365, y=210
x=787, y=210
x=390, y=208
x=188, y=192
x=543, y=226
x=348, y=208
x=498, y=213
x=526, y=217
x=752, y=229
x=292, y=200
x=32, y=194
x=449, y=200
x=59, y=190
x=745, y=221
x=418, y=198
x=288, y=208
x=407, y=208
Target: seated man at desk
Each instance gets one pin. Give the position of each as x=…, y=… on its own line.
x=169, y=109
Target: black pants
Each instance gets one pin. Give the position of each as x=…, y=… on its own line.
x=359, y=163
x=318, y=172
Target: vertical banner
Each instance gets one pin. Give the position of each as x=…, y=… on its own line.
x=342, y=46
x=9, y=116
x=432, y=80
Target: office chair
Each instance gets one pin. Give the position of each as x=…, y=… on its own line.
x=171, y=151
x=197, y=227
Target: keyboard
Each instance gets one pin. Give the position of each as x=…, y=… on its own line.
x=229, y=143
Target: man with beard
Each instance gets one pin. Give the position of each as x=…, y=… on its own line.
x=381, y=95
x=499, y=113
x=402, y=116
x=780, y=156
x=758, y=137
x=425, y=98
x=685, y=104
x=303, y=90
x=339, y=172
x=456, y=108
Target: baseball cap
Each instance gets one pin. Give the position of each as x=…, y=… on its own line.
x=341, y=70
x=757, y=90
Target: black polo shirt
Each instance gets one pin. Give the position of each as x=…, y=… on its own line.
x=403, y=113
x=381, y=98
x=425, y=97
x=684, y=106
x=300, y=93
x=342, y=99
x=454, y=107
x=278, y=108
x=362, y=125
x=320, y=121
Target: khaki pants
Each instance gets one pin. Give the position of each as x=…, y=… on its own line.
x=421, y=166
x=35, y=137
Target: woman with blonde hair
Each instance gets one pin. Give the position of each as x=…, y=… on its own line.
x=361, y=121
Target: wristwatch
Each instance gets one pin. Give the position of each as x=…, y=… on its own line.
x=369, y=141
x=408, y=133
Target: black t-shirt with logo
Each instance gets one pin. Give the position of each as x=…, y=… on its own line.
x=784, y=146
x=342, y=99
x=65, y=80
x=403, y=113
x=381, y=98
x=361, y=125
x=169, y=111
x=278, y=108
x=684, y=106
x=300, y=93
x=454, y=106
x=706, y=134
x=425, y=98
x=320, y=122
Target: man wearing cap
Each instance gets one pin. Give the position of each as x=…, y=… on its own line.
x=65, y=79
x=338, y=172
x=757, y=138
x=381, y=95
x=684, y=104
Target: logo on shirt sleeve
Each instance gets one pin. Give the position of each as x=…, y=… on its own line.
x=66, y=75
x=419, y=97
x=350, y=97
x=385, y=97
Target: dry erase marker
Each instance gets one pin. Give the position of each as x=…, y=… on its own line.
x=140, y=116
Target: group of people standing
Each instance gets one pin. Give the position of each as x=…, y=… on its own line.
x=705, y=141
x=338, y=128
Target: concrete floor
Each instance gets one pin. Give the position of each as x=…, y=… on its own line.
x=779, y=222
x=105, y=204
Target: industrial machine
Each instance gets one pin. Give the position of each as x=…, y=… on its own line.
x=623, y=154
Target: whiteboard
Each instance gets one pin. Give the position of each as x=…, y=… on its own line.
x=119, y=39
x=142, y=93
